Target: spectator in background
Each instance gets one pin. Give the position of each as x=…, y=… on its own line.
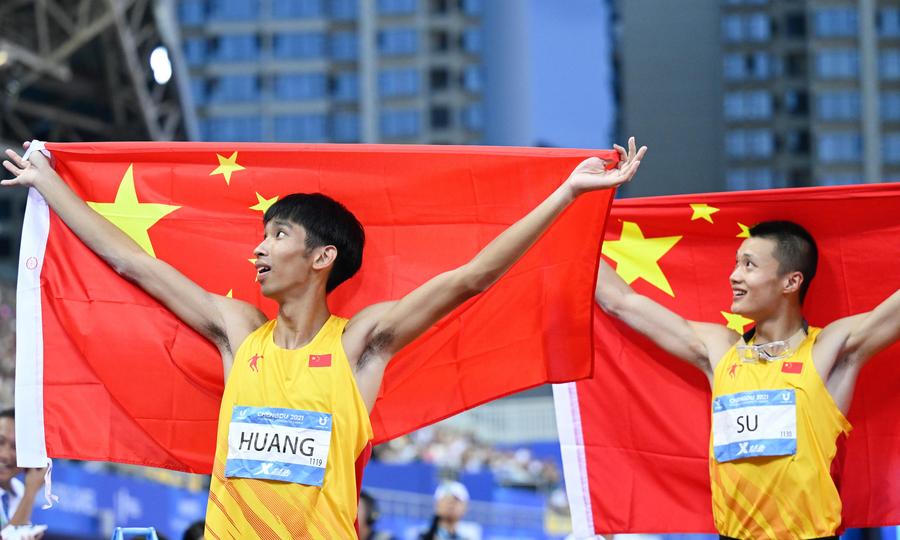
x=451, y=500
x=454, y=451
x=16, y=497
x=7, y=342
x=368, y=515
x=195, y=531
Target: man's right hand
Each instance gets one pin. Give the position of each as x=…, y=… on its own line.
x=25, y=172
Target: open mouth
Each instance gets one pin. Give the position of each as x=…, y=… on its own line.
x=262, y=270
x=738, y=293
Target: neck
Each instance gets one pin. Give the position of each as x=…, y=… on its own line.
x=448, y=525
x=782, y=326
x=299, y=319
x=6, y=485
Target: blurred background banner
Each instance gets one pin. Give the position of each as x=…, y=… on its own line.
x=105, y=373
x=635, y=437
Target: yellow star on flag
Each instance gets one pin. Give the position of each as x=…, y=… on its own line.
x=255, y=276
x=263, y=203
x=132, y=216
x=227, y=166
x=230, y=293
x=638, y=257
x=703, y=211
x=736, y=322
x=745, y=231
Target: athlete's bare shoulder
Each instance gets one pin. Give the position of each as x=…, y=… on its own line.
x=358, y=332
x=831, y=343
x=717, y=338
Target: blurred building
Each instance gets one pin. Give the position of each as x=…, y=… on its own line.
x=548, y=73
x=669, y=92
x=812, y=92
x=751, y=94
x=385, y=71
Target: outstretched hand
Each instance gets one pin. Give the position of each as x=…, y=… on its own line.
x=25, y=173
x=591, y=174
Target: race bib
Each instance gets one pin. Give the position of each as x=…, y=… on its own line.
x=278, y=444
x=751, y=424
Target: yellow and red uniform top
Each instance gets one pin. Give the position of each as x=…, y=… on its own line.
x=774, y=437
x=293, y=437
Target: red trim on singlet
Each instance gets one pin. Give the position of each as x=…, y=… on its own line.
x=837, y=466
x=360, y=466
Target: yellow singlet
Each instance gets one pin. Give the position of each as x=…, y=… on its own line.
x=293, y=438
x=765, y=408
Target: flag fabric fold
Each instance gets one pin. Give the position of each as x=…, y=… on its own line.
x=104, y=372
x=635, y=436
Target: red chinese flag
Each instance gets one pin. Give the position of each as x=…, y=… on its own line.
x=635, y=437
x=106, y=373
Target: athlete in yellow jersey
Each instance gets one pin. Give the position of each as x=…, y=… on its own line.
x=294, y=427
x=780, y=392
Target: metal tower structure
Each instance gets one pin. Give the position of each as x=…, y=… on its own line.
x=79, y=70
x=73, y=70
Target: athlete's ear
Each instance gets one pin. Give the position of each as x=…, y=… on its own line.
x=324, y=256
x=792, y=282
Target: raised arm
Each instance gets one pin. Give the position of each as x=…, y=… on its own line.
x=700, y=344
x=376, y=334
x=223, y=321
x=856, y=339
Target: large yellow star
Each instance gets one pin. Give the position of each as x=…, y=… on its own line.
x=227, y=165
x=703, y=211
x=637, y=257
x=263, y=203
x=736, y=322
x=745, y=231
x=130, y=215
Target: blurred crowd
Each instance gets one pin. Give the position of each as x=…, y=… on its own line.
x=7, y=343
x=456, y=451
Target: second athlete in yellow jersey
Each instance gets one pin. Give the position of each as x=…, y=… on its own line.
x=774, y=436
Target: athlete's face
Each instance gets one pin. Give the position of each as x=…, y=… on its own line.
x=757, y=287
x=283, y=262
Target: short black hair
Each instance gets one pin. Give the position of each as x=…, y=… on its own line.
x=795, y=249
x=8, y=413
x=327, y=223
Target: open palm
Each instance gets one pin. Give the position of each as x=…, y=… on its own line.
x=592, y=174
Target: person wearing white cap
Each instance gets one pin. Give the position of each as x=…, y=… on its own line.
x=451, y=500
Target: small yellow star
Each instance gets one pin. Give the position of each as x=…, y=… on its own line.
x=745, y=231
x=638, y=257
x=133, y=217
x=263, y=203
x=227, y=165
x=736, y=322
x=703, y=211
x=230, y=293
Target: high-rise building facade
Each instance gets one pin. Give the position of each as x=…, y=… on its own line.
x=385, y=71
x=811, y=92
x=755, y=94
